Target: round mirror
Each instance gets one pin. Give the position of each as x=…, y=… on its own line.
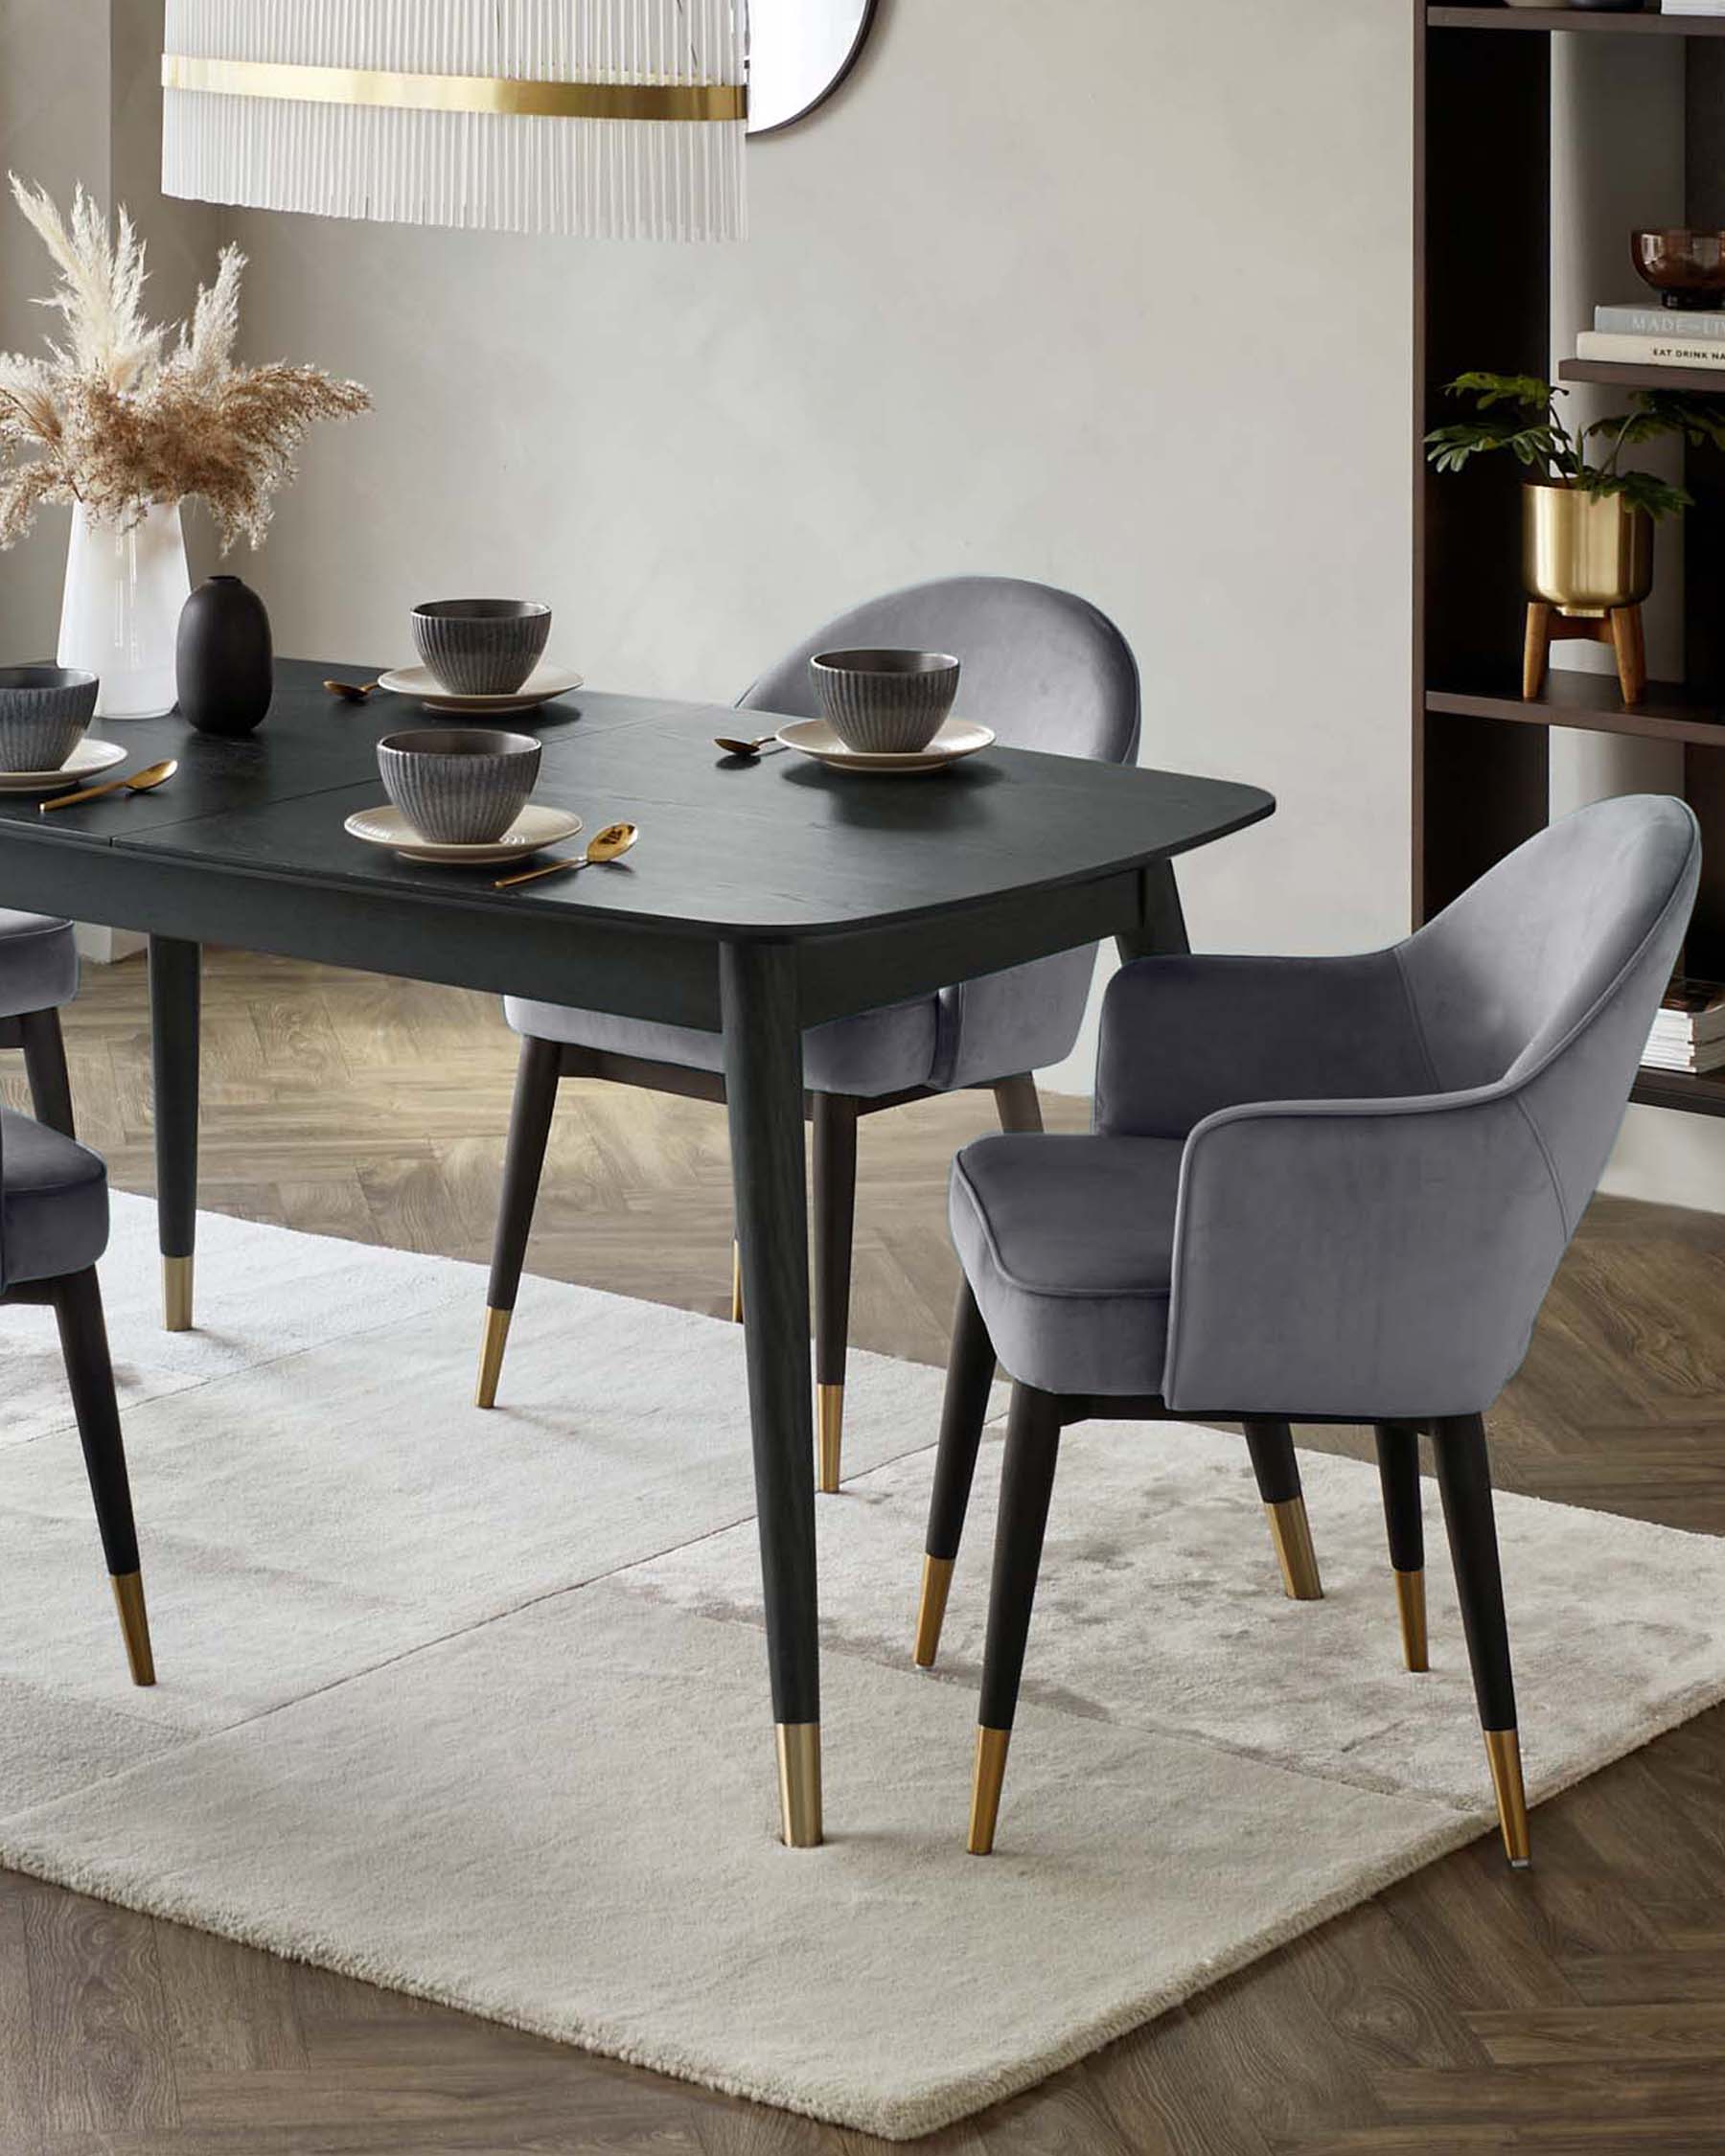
x=800, y=51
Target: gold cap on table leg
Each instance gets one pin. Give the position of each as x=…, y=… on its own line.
x=931, y=1611
x=986, y=1779
x=1411, y=1602
x=176, y=1295
x=1290, y=1531
x=1502, y=1748
x=134, y=1626
x=736, y=1282
x=829, y=1401
x=799, y=1784
x=490, y=1356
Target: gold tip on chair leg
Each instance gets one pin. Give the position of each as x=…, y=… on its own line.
x=134, y=1626
x=799, y=1784
x=176, y=1295
x=931, y=1611
x=490, y=1356
x=1290, y=1531
x=829, y=1399
x=736, y=1283
x=1410, y=1603
x=986, y=1779
x=1503, y=1749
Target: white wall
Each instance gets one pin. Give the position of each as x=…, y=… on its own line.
x=1113, y=295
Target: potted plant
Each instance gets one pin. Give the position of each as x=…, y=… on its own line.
x=125, y=423
x=1587, y=522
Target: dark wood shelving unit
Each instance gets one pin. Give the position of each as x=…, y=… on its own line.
x=1645, y=24
x=1481, y=754
x=1703, y=381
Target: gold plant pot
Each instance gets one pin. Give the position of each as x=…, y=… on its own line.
x=1585, y=554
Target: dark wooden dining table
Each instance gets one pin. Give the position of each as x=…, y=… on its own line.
x=762, y=898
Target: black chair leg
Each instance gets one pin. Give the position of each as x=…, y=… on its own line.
x=529, y=1134
x=835, y=1224
x=1465, y=1479
x=1271, y=1445
x=970, y=1374
x=1398, y=1472
x=1018, y=1104
x=90, y=1374
x=45, y=1064
x=1027, y=1484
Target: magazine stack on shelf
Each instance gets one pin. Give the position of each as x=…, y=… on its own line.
x=1689, y=1029
x=1655, y=336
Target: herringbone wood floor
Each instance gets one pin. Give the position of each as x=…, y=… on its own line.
x=1578, y=2008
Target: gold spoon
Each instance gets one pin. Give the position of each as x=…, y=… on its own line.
x=140, y=782
x=350, y=692
x=609, y=844
x=746, y=747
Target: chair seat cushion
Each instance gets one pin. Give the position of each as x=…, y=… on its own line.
x=885, y=1051
x=53, y=1209
x=39, y=964
x=1067, y=1244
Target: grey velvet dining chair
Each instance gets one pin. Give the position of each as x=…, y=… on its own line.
x=38, y=977
x=54, y=1226
x=1048, y=672
x=1327, y=1190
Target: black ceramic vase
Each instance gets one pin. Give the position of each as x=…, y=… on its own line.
x=225, y=661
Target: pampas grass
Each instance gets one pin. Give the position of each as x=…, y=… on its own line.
x=117, y=417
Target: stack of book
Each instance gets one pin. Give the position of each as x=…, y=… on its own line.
x=1688, y=1032
x=1694, y=8
x=1642, y=336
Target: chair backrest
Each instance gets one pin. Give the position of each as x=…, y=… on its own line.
x=1046, y=671
x=1550, y=969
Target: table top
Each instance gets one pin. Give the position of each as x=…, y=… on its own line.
x=780, y=848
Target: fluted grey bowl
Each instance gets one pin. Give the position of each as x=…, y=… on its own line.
x=886, y=703
x=44, y=712
x=481, y=647
x=456, y=785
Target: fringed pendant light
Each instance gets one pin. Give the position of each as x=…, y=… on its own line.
x=606, y=118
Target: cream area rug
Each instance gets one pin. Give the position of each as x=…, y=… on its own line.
x=475, y=1706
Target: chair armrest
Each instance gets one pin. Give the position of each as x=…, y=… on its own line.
x=1367, y=1259
x=1184, y=1036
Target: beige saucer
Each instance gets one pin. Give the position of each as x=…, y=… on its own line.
x=535, y=827
x=956, y=738
x=543, y=685
x=85, y=762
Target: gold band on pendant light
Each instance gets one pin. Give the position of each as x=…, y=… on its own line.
x=457, y=93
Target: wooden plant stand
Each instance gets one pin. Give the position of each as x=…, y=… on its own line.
x=1620, y=627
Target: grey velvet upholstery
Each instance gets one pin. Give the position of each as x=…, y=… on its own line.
x=1047, y=672
x=53, y=1209
x=1381, y=1158
x=39, y=964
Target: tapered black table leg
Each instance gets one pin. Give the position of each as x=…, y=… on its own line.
x=1276, y=1467
x=174, y=993
x=1161, y=933
x=763, y=1076
x=529, y=1134
x=1398, y=1472
x=970, y=1375
x=45, y=1064
x=834, y=1228
x=1465, y=1479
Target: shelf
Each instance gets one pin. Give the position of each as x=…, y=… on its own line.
x=1591, y=701
x=1676, y=1089
x=1703, y=381
x=1573, y=19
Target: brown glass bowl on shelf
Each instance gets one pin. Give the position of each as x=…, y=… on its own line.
x=1687, y=269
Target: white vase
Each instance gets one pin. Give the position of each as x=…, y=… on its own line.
x=124, y=595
